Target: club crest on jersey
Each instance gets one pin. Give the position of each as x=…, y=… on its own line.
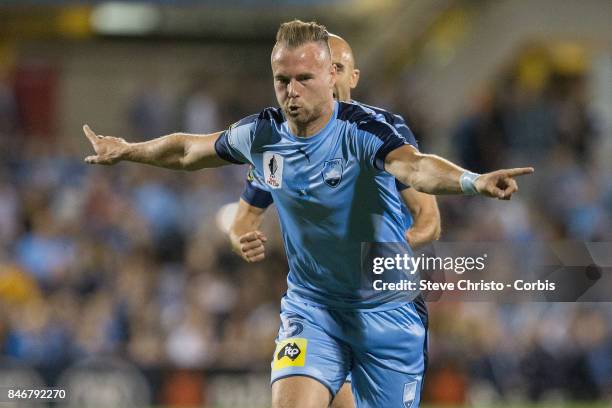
x=332, y=172
x=273, y=169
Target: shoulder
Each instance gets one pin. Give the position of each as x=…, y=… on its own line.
x=271, y=115
x=397, y=121
x=392, y=118
x=266, y=116
x=354, y=112
x=366, y=119
x=388, y=116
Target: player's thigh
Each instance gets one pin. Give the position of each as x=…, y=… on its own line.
x=305, y=348
x=389, y=364
x=299, y=392
x=344, y=397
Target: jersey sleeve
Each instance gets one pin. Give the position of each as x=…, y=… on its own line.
x=402, y=128
x=400, y=186
x=377, y=139
x=255, y=192
x=234, y=145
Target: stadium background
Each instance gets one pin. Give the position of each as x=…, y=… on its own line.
x=120, y=282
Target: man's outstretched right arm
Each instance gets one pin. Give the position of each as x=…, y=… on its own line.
x=180, y=151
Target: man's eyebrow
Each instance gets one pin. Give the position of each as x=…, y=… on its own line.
x=280, y=77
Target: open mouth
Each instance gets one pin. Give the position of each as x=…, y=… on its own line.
x=293, y=108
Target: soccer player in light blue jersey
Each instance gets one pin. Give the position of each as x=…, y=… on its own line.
x=421, y=214
x=331, y=168
x=422, y=217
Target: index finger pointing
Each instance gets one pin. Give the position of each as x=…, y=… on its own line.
x=519, y=171
x=90, y=134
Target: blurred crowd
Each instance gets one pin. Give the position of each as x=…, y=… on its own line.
x=531, y=351
x=130, y=261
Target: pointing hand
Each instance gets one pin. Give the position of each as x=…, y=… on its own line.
x=109, y=150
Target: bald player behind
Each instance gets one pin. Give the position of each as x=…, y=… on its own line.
x=422, y=220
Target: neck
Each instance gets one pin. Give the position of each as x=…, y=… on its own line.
x=313, y=127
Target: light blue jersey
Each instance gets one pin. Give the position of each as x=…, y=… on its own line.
x=331, y=193
x=402, y=128
x=256, y=193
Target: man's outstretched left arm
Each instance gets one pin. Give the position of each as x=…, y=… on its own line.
x=434, y=175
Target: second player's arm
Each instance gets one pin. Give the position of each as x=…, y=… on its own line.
x=431, y=174
x=426, y=217
x=180, y=151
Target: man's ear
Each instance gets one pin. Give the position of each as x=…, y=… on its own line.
x=355, y=78
x=333, y=71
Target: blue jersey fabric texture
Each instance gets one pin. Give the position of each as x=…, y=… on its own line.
x=332, y=194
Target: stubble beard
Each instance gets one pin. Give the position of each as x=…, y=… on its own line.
x=305, y=118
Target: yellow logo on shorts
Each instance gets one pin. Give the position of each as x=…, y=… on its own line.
x=290, y=353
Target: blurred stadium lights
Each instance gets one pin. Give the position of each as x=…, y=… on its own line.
x=123, y=18
x=182, y=20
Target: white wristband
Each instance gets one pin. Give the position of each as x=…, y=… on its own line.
x=467, y=182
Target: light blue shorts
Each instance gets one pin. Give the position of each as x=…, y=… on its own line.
x=383, y=353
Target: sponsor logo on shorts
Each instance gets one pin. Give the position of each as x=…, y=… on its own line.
x=290, y=353
x=291, y=350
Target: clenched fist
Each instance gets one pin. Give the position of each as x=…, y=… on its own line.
x=250, y=246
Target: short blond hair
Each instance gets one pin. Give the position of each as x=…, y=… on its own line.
x=295, y=33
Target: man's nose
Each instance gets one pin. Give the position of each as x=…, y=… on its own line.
x=292, y=88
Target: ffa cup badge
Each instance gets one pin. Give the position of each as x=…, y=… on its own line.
x=273, y=169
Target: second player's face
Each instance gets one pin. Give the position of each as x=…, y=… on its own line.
x=346, y=74
x=303, y=81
